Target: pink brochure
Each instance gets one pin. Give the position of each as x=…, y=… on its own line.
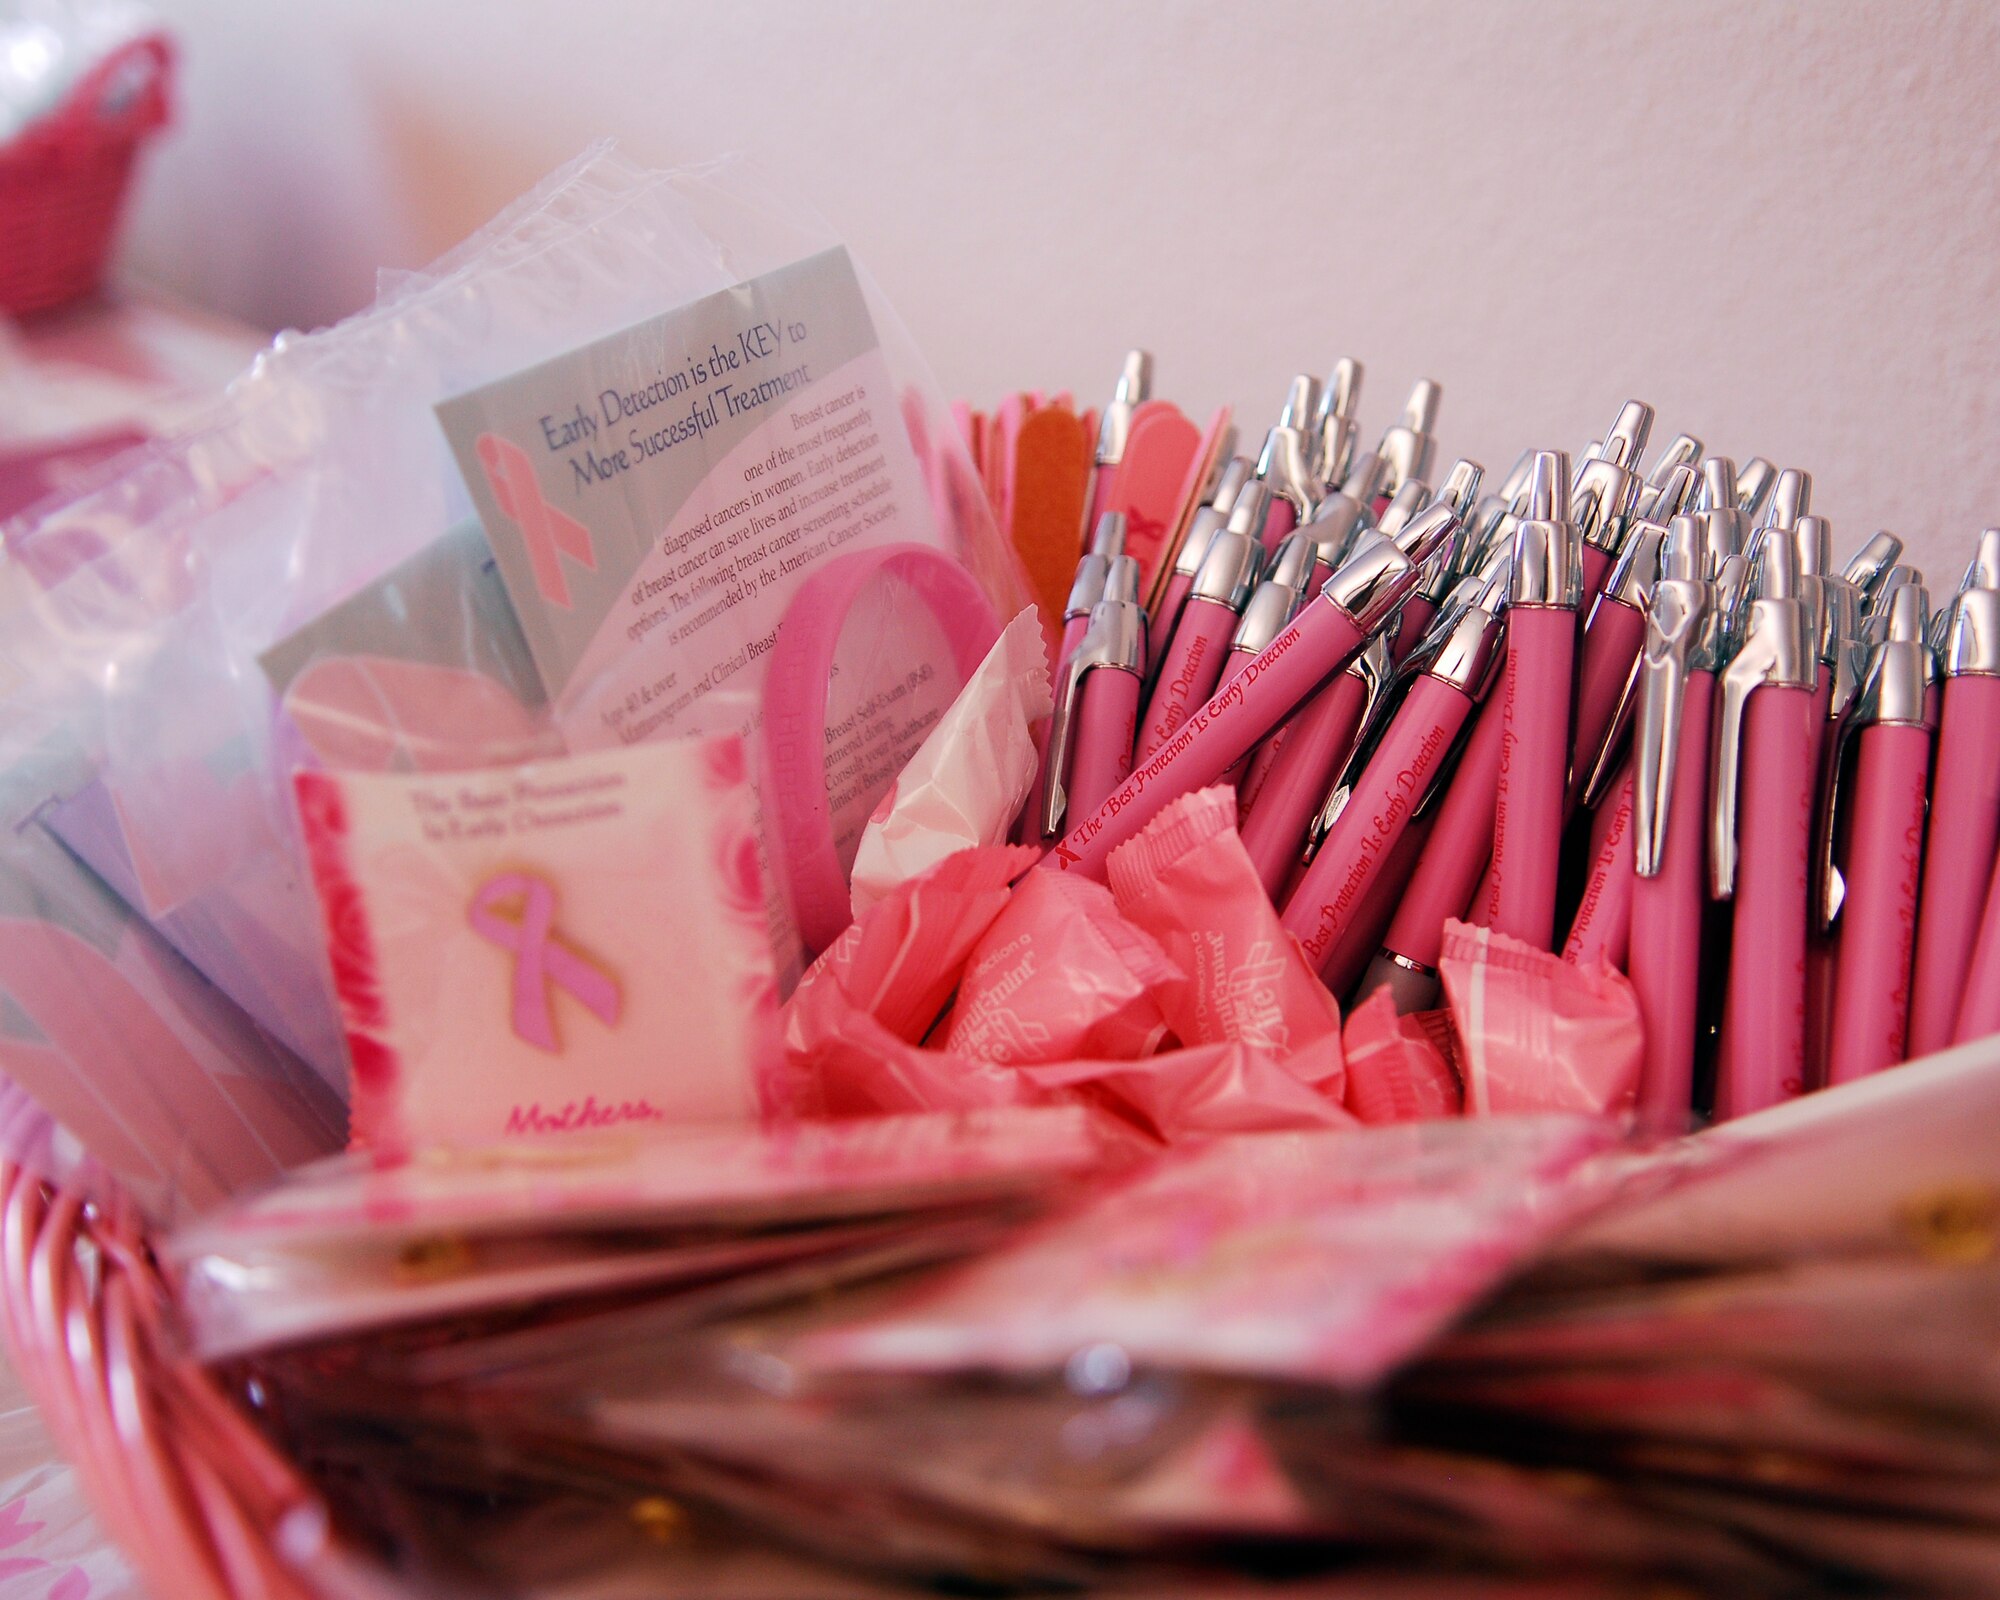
x=1328, y=1257
x=578, y=943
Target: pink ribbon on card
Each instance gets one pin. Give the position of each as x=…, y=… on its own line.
x=540, y=959
x=548, y=533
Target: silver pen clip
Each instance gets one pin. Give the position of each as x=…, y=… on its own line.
x=1409, y=500
x=1346, y=512
x=1285, y=469
x=1683, y=450
x=1754, y=485
x=1334, y=430
x=1377, y=675
x=1675, y=618
x=1116, y=637
x=1407, y=447
x=1725, y=525
x=1087, y=587
x=1630, y=584
x=1372, y=582
x=1606, y=486
x=1277, y=596
x=1301, y=406
x=1776, y=652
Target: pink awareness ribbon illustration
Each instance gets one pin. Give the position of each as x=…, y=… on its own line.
x=540, y=959
x=548, y=534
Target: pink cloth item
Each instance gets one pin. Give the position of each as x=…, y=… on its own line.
x=1536, y=1034
x=1060, y=974
x=1400, y=1068
x=1188, y=881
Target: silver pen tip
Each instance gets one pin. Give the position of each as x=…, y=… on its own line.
x=1778, y=570
x=1461, y=486
x=1754, y=484
x=1718, y=485
x=1236, y=472
x=1681, y=554
x=1109, y=539
x=1986, y=560
x=1420, y=414
x=1301, y=403
x=1122, y=581
x=1548, y=488
x=1791, y=499
x=1252, y=506
x=1909, y=614
x=1813, y=537
x=1135, y=379
x=1626, y=441
x=1868, y=565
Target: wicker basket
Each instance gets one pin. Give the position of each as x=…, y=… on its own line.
x=63, y=181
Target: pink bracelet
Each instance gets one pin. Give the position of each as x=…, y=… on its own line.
x=797, y=680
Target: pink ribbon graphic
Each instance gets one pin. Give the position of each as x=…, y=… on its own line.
x=546, y=532
x=540, y=959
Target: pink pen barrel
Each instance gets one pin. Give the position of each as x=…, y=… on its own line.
x=1166, y=622
x=1456, y=854
x=1764, y=1037
x=1601, y=930
x=1107, y=717
x=1878, y=919
x=1604, y=666
x=1418, y=613
x=1188, y=673
x=1279, y=520
x=1319, y=641
x=1664, y=959
x=1350, y=957
x=1597, y=565
x=1534, y=772
x=1336, y=887
x=1964, y=828
x=1301, y=771
x=1074, y=628
x=1979, y=1012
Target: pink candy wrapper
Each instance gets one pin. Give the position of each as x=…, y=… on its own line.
x=1188, y=881
x=1400, y=1068
x=1536, y=1034
x=1060, y=974
x=970, y=777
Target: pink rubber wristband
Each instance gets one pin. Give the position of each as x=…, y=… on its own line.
x=799, y=815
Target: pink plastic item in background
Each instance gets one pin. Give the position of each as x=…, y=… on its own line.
x=1878, y=926
x=1534, y=771
x=1187, y=881
x=1399, y=1068
x=1534, y=1033
x=1061, y=975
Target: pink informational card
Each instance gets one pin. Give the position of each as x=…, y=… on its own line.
x=565, y=945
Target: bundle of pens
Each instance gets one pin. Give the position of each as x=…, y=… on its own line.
x=1633, y=715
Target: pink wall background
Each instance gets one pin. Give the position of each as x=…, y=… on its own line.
x=1779, y=223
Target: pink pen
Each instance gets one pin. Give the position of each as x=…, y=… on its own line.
x=1334, y=430
x=1276, y=600
x=1606, y=662
x=1407, y=447
x=1207, y=522
x=1328, y=632
x=1656, y=501
x=1192, y=660
x=1605, y=492
x=1350, y=957
x=1114, y=427
x=1535, y=705
x=1760, y=842
x=1460, y=491
x=1670, y=748
x=1085, y=590
x=1285, y=469
x=1097, y=710
x=1601, y=929
x=1965, y=806
x=1892, y=763
x=1279, y=801
x=1396, y=777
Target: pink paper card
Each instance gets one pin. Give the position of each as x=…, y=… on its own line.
x=570, y=944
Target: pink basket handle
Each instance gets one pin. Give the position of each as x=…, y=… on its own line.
x=122, y=97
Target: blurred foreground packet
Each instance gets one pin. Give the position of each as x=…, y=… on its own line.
x=1326, y=1257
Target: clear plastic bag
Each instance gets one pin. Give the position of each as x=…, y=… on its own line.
x=158, y=623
